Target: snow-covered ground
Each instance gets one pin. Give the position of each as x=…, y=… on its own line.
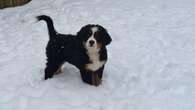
x=151, y=59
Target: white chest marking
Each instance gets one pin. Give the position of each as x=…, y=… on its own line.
x=95, y=62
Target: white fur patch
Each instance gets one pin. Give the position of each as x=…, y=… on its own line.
x=96, y=63
x=94, y=29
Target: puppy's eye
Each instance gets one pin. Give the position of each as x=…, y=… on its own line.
x=88, y=34
x=97, y=35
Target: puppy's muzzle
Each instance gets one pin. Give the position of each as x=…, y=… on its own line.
x=91, y=43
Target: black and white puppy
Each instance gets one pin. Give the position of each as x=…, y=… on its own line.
x=86, y=50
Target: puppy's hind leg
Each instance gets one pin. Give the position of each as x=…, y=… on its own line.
x=51, y=69
x=60, y=69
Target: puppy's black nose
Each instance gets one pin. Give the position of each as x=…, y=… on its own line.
x=91, y=42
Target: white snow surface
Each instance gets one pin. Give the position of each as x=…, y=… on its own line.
x=151, y=62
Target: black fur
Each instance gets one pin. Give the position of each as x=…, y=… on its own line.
x=52, y=31
x=63, y=48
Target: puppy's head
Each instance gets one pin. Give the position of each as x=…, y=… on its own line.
x=94, y=37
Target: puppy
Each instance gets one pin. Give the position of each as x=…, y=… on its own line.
x=86, y=50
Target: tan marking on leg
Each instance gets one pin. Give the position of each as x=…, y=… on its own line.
x=59, y=71
x=93, y=79
x=96, y=81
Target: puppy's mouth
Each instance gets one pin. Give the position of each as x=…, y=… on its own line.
x=91, y=45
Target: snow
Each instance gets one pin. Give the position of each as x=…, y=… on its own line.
x=151, y=59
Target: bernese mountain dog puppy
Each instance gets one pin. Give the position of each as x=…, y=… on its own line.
x=86, y=50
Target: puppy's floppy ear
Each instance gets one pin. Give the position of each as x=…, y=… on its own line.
x=107, y=38
x=81, y=32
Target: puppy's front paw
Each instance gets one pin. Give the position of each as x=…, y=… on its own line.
x=96, y=81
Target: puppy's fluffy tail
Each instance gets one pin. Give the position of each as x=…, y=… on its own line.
x=51, y=30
